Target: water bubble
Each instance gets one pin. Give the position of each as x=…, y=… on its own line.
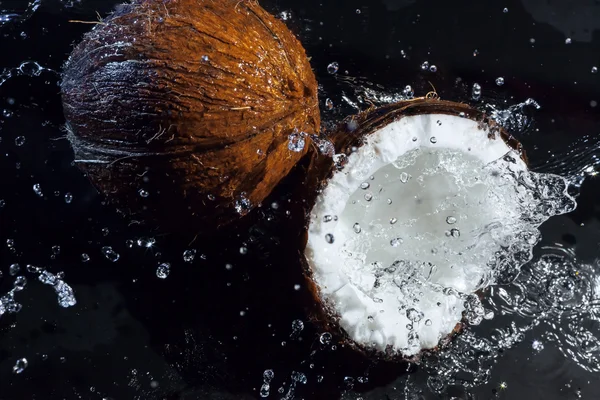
x=296, y=142
x=297, y=327
x=329, y=104
x=428, y=322
x=19, y=141
x=143, y=193
x=568, y=41
x=264, y=390
x=32, y=269
x=414, y=315
x=499, y=81
x=356, y=227
x=368, y=196
x=297, y=287
x=243, y=250
x=299, y=377
x=85, y=257
x=204, y=58
x=327, y=218
x=396, y=242
x=325, y=338
x=425, y=66
x=20, y=365
x=358, y=11
x=19, y=283
x=189, y=255
x=594, y=70
x=408, y=92
x=433, y=68
x=242, y=205
x=37, y=189
x=454, y=232
x=333, y=68
x=365, y=185
x=505, y=10
x=450, y=220
x=476, y=92
x=146, y=242
x=393, y=220
x=329, y=238
x=268, y=375
x=110, y=254
x=404, y=177
x=14, y=269
x=163, y=270
x=68, y=198
x=433, y=140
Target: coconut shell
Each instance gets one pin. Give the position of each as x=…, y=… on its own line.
x=351, y=134
x=183, y=108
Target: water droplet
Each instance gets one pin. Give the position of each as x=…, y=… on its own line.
x=499, y=81
x=143, y=193
x=428, y=322
x=537, y=345
x=20, y=365
x=329, y=238
x=358, y=11
x=37, y=189
x=404, y=177
x=433, y=140
x=268, y=375
x=594, y=70
x=505, y=10
x=299, y=377
x=163, y=270
x=296, y=142
x=14, y=269
x=243, y=250
x=425, y=66
x=476, y=92
x=68, y=198
x=568, y=40
x=297, y=287
x=146, y=242
x=414, y=315
x=357, y=228
x=204, y=58
x=389, y=201
x=329, y=104
x=297, y=326
x=264, y=390
x=408, y=92
x=85, y=257
x=433, y=68
x=475, y=53
x=327, y=218
x=368, y=196
x=365, y=185
x=396, y=242
x=454, y=232
x=325, y=338
x=393, y=220
x=450, y=220
x=19, y=141
x=110, y=254
x=56, y=250
x=333, y=68
x=20, y=283
x=189, y=255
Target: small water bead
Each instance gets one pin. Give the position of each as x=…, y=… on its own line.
x=329, y=238
x=56, y=250
x=297, y=287
x=505, y=10
x=428, y=322
x=358, y=11
x=408, y=92
x=85, y=257
x=433, y=140
x=365, y=185
x=537, y=345
x=146, y=242
x=264, y=390
x=475, y=53
x=20, y=365
x=19, y=283
x=389, y=201
x=368, y=196
x=14, y=269
x=243, y=250
x=110, y=254
x=327, y=218
x=68, y=198
x=404, y=177
x=204, y=58
x=454, y=232
x=500, y=81
x=450, y=220
x=333, y=68
x=433, y=68
x=414, y=315
x=594, y=70
x=396, y=242
x=163, y=270
x=19, y=141
x=297, y=326
x=299, y=377
x=189, y=255
x=356, y=227
x=476, y=91
x=37, y=189
x=143, y=193
x=425, y=66
x=568, y=41
x=393, y=220
x=325, y=338
x=329, y=104
x=296, y=142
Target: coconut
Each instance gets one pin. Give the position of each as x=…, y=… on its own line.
x=186, y=106
x=425, y=205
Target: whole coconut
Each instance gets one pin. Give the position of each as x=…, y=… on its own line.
x=183, y=108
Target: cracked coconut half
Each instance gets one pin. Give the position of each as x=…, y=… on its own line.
x=426, y=203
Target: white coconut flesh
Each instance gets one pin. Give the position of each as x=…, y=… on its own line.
x=423, y=215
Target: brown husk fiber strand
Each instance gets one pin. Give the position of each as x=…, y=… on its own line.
x=192, y=101
x=319, y=169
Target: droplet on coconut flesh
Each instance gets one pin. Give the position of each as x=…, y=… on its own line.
x=167, y=103
x=466, y=210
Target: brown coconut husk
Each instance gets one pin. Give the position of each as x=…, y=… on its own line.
x=191, y=101
x=319, y=169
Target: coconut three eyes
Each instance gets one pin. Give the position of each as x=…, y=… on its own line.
x=425, y=205
x=184, y=107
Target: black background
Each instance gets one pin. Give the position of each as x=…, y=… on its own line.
x=186, y=333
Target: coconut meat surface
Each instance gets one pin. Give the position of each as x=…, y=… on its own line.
x=420, y=218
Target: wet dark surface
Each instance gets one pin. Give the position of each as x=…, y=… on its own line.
x=208, y=331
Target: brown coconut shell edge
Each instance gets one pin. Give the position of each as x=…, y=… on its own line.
x=319, y=169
